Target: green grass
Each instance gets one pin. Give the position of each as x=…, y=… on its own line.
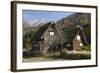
x=68, y=56
x=76, y=56
x=62, y=56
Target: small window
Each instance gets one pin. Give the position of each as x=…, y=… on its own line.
x=78, y=37
x=81, y=44
x=51, y=33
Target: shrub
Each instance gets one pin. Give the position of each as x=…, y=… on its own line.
x=85, y=56
x=73, y=56
x=86, y=47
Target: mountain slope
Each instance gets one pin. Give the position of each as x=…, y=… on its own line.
x=75, y=20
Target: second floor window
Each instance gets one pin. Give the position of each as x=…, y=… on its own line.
x=78, y=38
x=51, y=33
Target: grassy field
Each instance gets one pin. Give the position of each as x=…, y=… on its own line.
x=69, y=55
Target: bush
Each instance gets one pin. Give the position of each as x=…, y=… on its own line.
x=85, y=56
x=75, y=56
x=87, y=48
x=26, y=53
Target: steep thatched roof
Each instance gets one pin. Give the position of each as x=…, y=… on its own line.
x=71, y=31
x=37, y=36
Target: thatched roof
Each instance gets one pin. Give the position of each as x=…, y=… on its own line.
x=67, y=34
x=71, y=31
x=37, y=36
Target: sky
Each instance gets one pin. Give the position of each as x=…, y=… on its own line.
x=32, y=16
